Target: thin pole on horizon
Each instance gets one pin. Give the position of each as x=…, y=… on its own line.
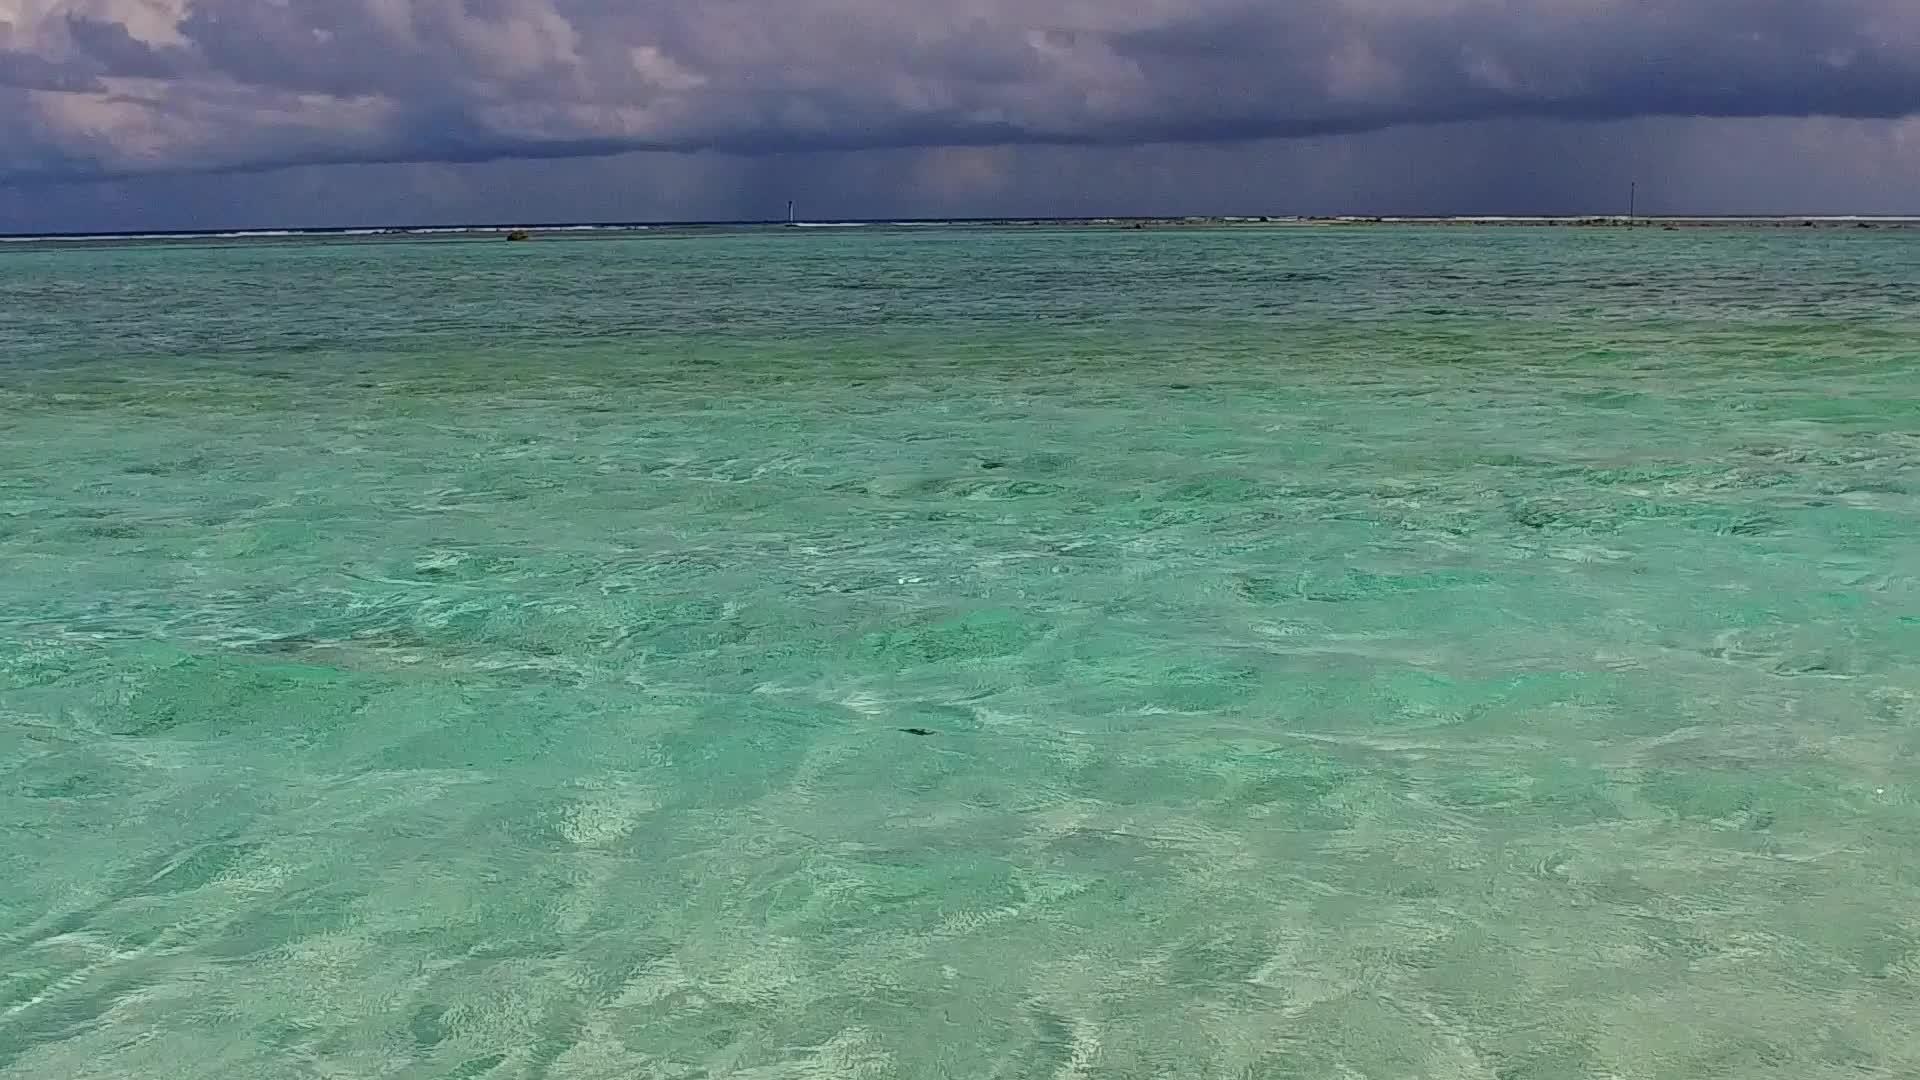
x=1633, y=196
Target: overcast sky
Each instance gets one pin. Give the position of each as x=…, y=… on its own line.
x=132, y=114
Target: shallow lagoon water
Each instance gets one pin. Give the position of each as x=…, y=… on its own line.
x=1343, y=653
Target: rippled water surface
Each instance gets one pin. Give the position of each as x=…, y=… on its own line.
x=1381, y=653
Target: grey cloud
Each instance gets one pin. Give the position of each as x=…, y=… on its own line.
x=29, y=71
x=111, y=48
x=244, y=85
x=1219, y=73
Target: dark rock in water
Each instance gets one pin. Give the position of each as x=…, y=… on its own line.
x=1179, y=386
x=519, y=234
x=918, y=731
x=993, y=464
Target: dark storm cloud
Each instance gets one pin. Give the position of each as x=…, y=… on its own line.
x=118, y=87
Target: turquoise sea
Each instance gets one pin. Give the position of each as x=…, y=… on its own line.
x=1337, y=653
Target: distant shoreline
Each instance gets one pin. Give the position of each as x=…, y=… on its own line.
x=1219, y=221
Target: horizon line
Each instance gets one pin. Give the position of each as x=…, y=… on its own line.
x=418, y=229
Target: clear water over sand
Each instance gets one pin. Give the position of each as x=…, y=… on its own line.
x=1347, y=653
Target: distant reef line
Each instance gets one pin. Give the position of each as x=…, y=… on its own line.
x=529, y=231
x=1619, y=221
